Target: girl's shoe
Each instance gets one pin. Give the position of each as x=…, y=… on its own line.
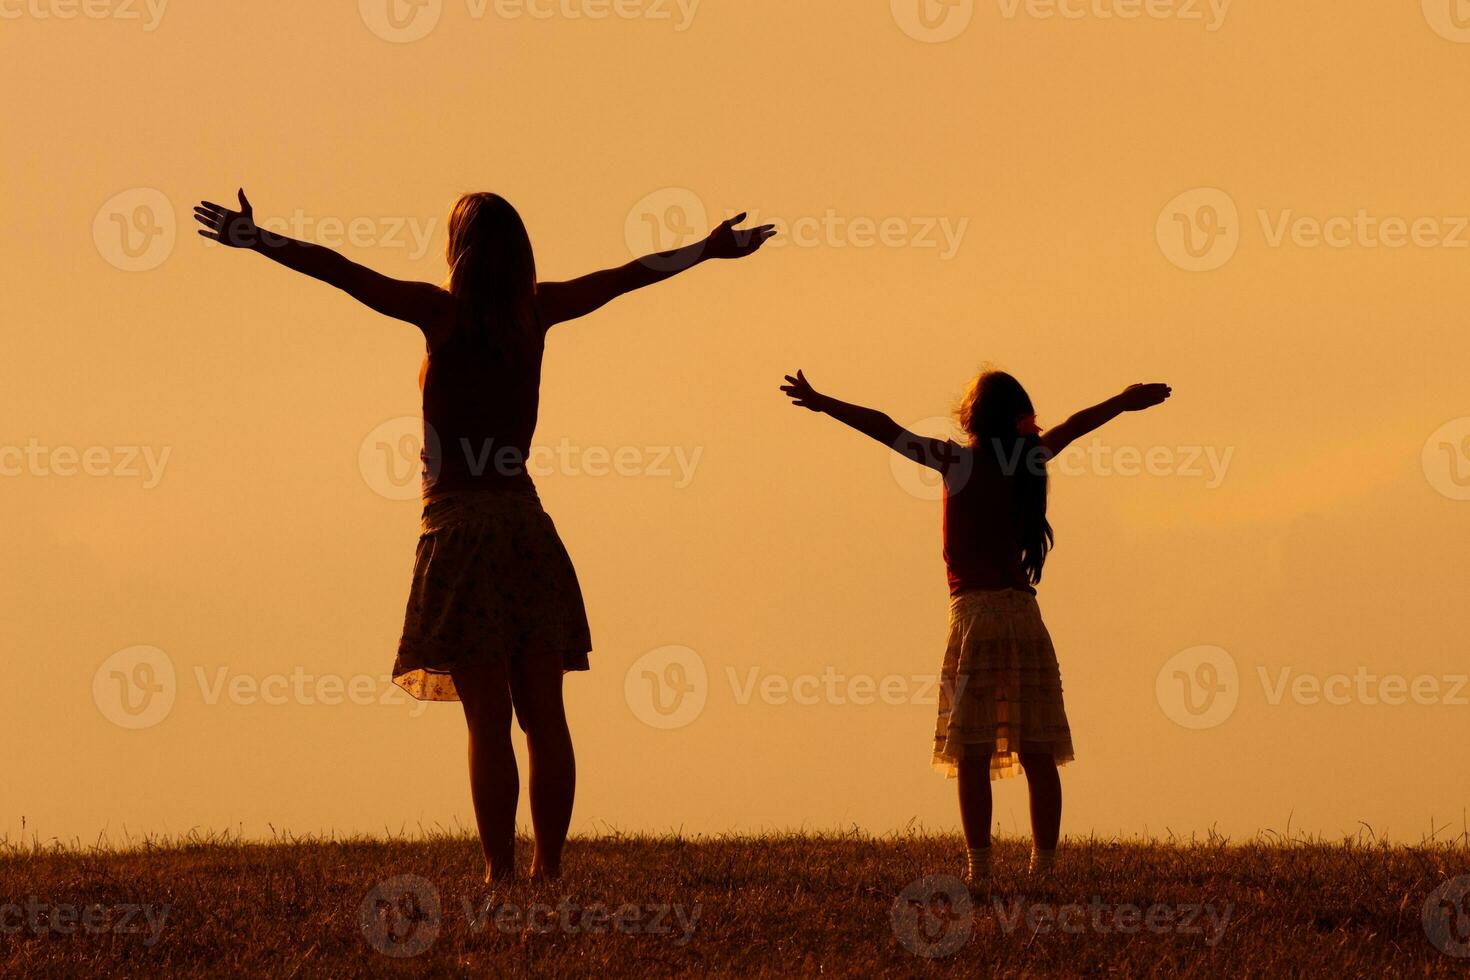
x=977, y=873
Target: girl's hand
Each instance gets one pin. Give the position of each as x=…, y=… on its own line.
x=233, y=228
x=725, y=242
x=1138, y=397
x=802, y=394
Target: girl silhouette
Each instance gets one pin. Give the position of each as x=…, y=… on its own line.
x=495, y=614
x=1000, y=709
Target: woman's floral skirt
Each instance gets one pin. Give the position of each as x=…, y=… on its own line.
x=491, y=581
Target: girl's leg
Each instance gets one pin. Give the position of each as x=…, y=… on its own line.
x=494, y=781
x=975, y=810
x=975, y=801
x=536, y=687
x=1045, y=788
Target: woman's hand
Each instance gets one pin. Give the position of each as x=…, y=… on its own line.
x=725, y=242
x=236, y=229
x=1136, y=398
x=802, y=394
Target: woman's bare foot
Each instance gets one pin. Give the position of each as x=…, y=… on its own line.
x=496, y=876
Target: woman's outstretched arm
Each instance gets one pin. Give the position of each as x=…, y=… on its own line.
x=935, y=453
x=1135, y=398
x=563, y=301
x=420, y=303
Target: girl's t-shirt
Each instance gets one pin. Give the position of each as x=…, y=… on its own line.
x=982, y=548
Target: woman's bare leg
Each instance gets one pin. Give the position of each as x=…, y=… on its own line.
x=536, y=688
x=1045, y=788
x=495, y=784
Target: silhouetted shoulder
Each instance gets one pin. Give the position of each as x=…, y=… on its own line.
x=956, y=461
x=440, y=314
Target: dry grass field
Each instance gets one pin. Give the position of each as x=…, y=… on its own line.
x=837, y=905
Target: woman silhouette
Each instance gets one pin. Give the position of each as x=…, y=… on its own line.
x=495, y=614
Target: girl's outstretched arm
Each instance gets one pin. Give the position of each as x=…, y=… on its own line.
x=563, y=301
x=935, y=453
x=1135, y=398
x=420, y=303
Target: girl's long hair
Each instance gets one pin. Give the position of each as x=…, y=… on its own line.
x=998, y=416
x=492, y=268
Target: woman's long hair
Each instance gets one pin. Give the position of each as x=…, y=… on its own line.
x=492, y=268
x=998, y=416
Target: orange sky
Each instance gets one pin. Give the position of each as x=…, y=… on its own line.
x=192, y=452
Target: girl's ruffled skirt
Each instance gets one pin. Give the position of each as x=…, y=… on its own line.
x=1001, y=690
